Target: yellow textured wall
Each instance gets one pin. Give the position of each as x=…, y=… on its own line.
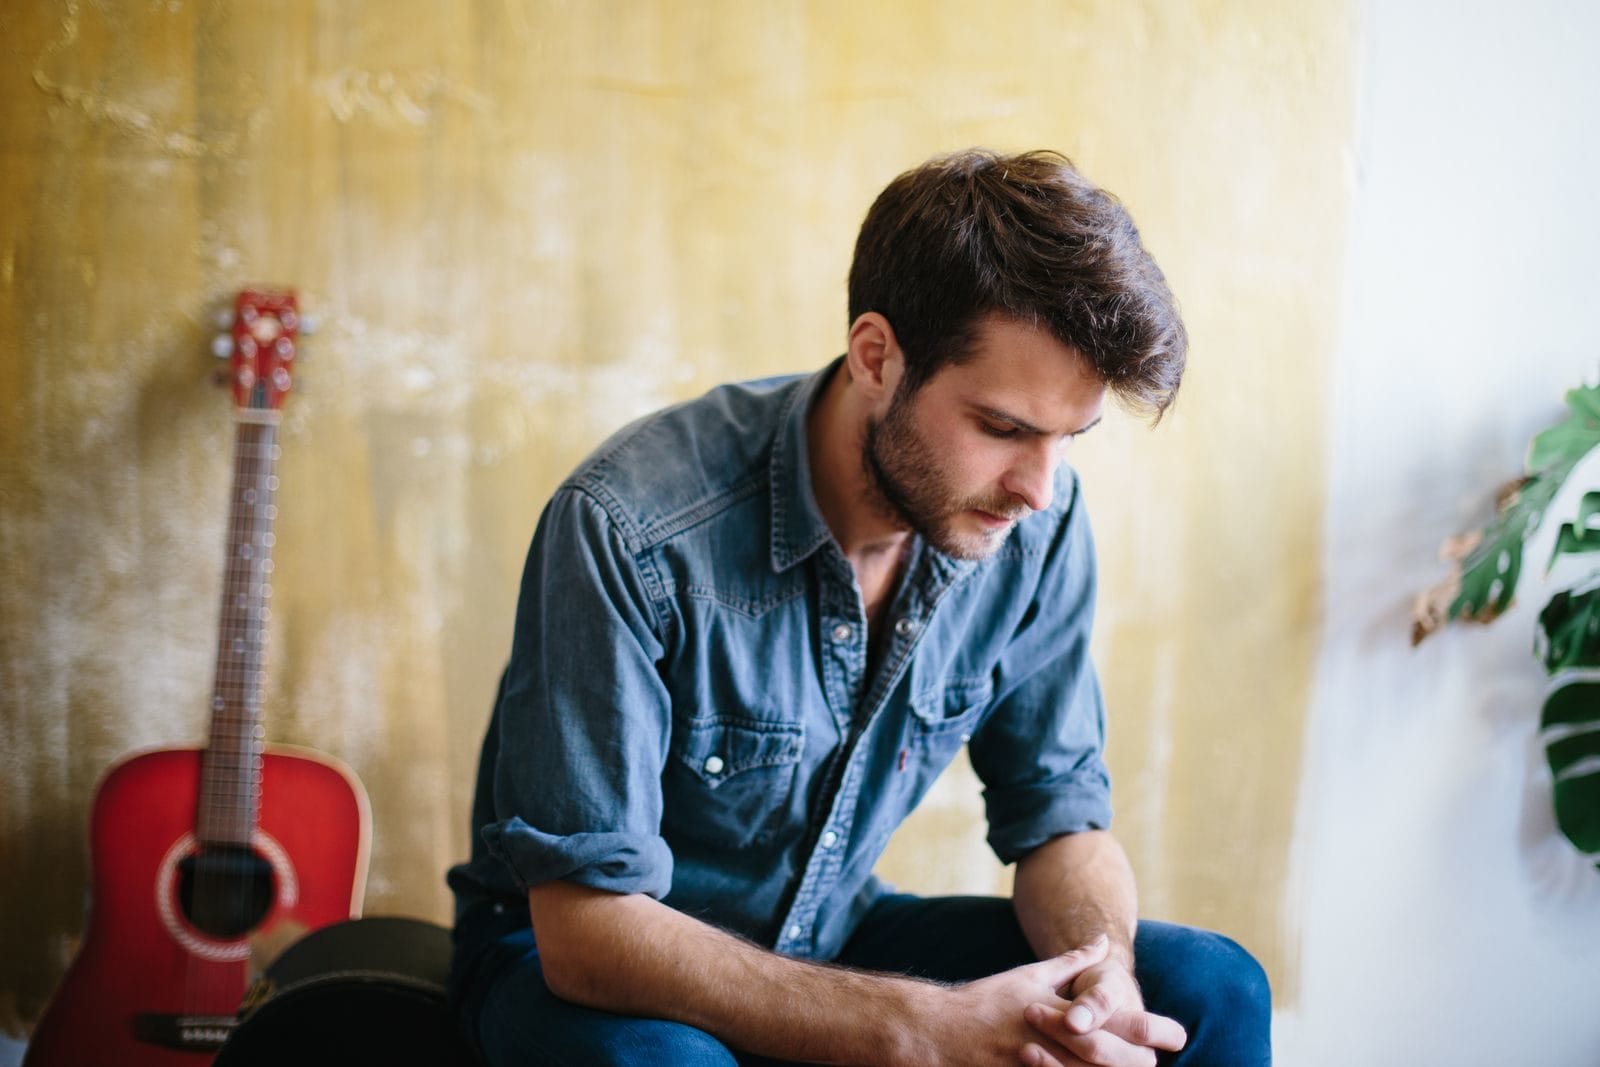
x=521, y=224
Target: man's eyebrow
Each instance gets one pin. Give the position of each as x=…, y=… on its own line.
x=996, y=415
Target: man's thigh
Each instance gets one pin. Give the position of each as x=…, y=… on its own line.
x=517, y=1022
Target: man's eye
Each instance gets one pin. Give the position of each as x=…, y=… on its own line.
x=994, y=430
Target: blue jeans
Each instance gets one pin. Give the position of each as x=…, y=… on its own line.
x=1208, y=983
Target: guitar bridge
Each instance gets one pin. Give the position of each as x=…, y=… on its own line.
x=191, y=1033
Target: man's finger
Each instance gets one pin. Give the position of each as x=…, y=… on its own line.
x=1149, y=1029
x=1093, y=1007
x=1100, y=1047
x=1034, y=1056
x=1062, y=969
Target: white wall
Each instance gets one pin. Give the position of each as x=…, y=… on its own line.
x=1442, y=920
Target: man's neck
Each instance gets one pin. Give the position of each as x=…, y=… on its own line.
x=835, y=435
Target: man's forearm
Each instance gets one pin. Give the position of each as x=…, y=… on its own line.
x=635, y=956
x=1071, y=889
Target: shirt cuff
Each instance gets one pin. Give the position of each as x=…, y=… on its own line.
x=1021, y=818
x=615, y=862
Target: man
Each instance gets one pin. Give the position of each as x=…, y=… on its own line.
x=754, y=627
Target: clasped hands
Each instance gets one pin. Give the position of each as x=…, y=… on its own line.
x=1104, y=1023
x=1079, y=1009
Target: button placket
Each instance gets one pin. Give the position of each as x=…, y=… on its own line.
x=826, y=860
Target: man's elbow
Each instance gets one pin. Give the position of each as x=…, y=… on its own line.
x=568, y=926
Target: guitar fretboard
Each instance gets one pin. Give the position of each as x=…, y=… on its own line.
x=230, y=771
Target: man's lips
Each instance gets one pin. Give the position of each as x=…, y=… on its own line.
x=992, y=521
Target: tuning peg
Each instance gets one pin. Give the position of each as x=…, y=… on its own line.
x=308, y=324
x=223, y=319
x=222, y=345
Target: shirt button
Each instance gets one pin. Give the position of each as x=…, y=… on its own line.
x=795, y=932
x=830, y=839
x=841, y=632
x=713, y=764
x=905, y=627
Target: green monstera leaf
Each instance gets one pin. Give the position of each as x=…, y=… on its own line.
x=1489, y=572
x=1481, y=586
x=1569, y=629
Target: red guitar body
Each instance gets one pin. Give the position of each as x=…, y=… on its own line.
x=142, y=964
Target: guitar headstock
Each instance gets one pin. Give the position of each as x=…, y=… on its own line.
x=261, y=346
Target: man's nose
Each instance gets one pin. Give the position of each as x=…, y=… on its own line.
x=1033, y=476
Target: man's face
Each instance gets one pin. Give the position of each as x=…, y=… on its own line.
x=973, y=451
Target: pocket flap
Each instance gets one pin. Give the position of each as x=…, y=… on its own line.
x=953, y=704
x=717, y=748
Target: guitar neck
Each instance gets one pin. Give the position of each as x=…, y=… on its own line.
x=230, y=775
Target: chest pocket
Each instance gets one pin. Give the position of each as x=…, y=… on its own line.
x=730, y=779
x=942, y=720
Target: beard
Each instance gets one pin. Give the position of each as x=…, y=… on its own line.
x=907, y=485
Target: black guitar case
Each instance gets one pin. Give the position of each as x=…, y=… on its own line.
x=367, y=991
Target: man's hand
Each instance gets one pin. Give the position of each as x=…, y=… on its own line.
x=981, y=1024
x=1105, y=1024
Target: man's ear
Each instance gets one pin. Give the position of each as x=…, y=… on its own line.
x=874, y=358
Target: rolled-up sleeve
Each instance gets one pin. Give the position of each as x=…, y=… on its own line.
x=584, y=719
x=1039, y=751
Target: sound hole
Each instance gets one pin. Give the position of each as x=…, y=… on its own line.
x=225, y=892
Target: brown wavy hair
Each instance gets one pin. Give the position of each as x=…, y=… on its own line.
x=971, y=234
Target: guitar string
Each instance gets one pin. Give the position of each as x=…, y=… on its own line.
x=199, y=1000
x=230, y=769
x=201, y=978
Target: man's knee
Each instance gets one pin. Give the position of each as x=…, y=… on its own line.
x=1237, y=983
x=1213, y=986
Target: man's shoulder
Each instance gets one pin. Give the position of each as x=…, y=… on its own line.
x=681, y=464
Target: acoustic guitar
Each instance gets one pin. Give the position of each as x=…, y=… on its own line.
x=206, y=862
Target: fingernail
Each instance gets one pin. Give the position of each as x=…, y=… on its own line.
x=1079, y=1018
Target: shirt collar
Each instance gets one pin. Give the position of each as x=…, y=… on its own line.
x=798, y=528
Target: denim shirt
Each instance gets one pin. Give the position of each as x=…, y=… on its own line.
x=690, y=710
